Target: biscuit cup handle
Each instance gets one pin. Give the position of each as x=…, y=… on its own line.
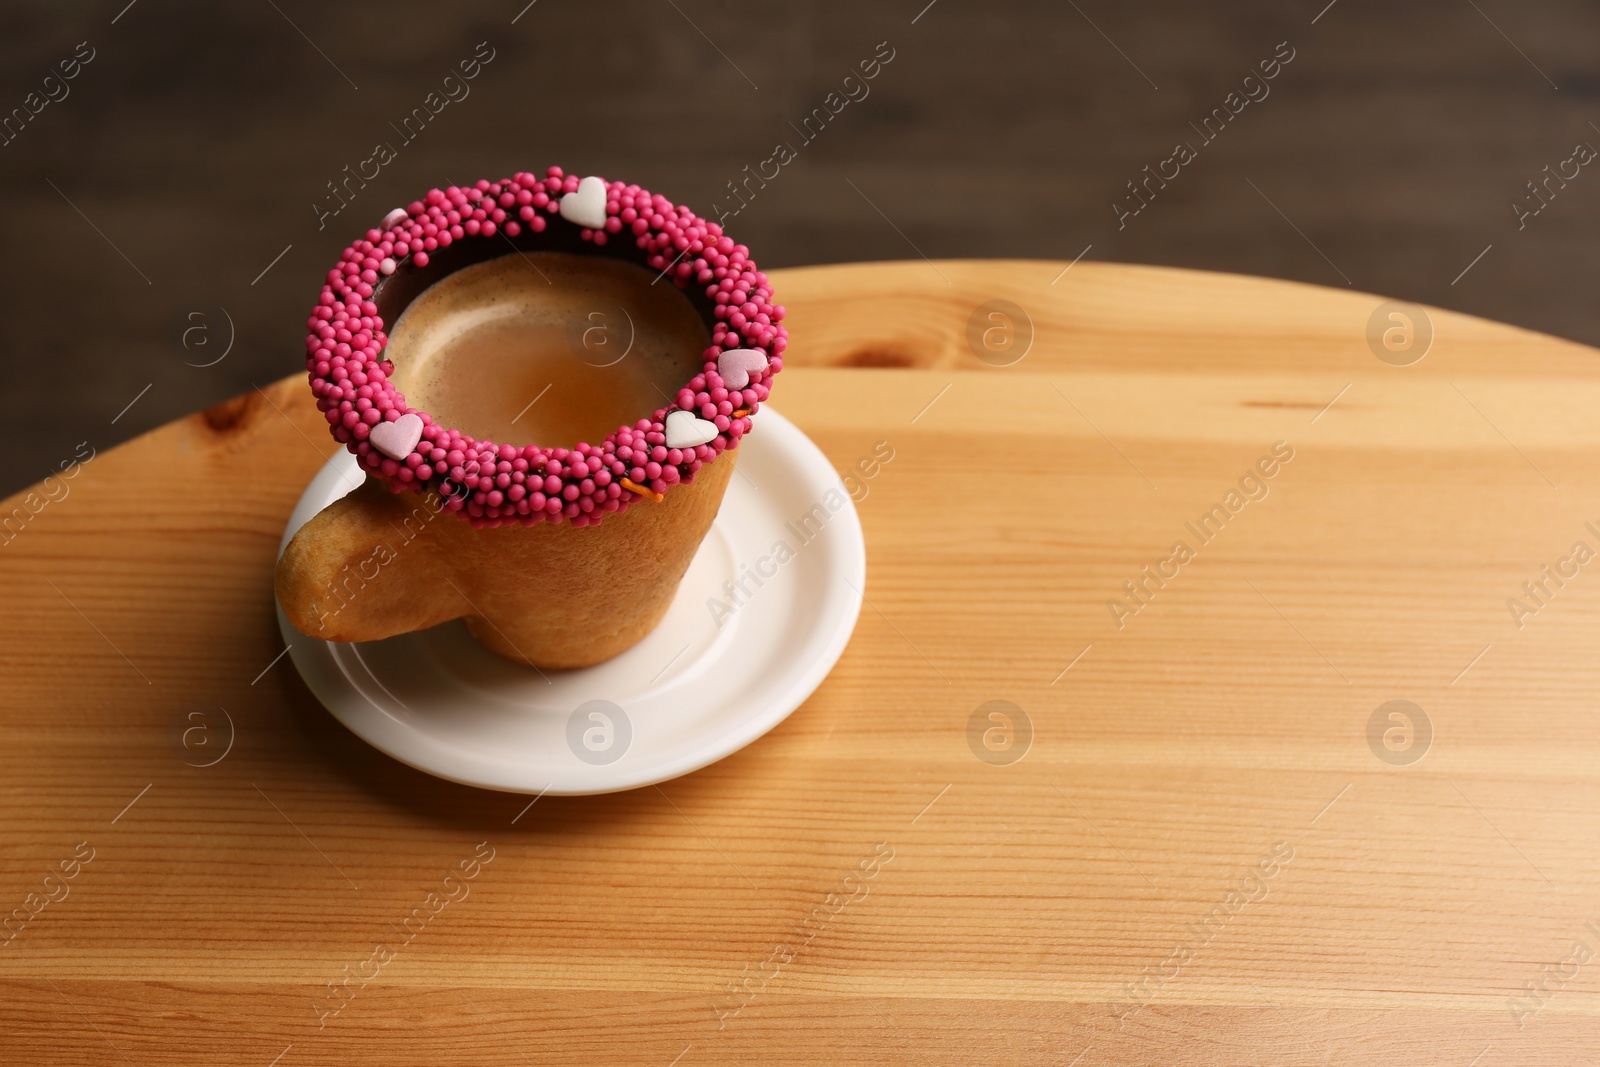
x=350, y=573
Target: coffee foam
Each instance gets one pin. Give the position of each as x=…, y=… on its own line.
x=546, y=348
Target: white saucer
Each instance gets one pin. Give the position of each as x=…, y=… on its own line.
x=687, y=695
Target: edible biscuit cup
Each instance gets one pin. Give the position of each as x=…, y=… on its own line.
x=558, y=554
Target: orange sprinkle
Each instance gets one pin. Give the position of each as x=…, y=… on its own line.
x=741, y=413
x=633, y=487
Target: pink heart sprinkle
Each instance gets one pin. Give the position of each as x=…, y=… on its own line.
x=397, y=439
x=738, y=365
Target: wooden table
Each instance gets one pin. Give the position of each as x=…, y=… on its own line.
x=1220, y=847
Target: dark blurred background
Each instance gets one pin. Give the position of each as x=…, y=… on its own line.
x=176, y=174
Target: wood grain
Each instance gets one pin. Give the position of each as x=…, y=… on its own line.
x=1025, y=911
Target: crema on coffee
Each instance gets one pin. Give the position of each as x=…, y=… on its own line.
x=546, y=348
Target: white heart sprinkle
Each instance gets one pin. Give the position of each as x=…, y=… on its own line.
x=685, y=430
x=738, y=365
x=397, y=215
x=397, y=439
x=386, y=267
x=587, y=206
